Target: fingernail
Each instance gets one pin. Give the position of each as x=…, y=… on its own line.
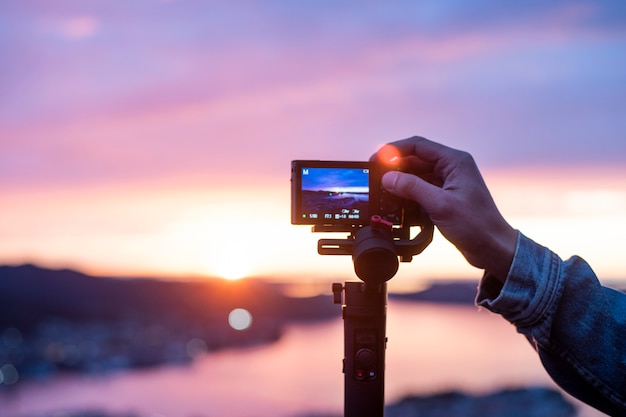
x=389, y=180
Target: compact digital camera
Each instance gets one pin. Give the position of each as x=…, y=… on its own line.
x=344, y=195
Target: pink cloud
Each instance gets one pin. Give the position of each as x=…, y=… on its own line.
x=149, y=106
x=79, y=27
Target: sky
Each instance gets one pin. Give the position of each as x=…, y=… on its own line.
x=154, y=137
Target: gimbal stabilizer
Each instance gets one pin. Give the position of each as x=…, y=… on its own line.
x=375, y=250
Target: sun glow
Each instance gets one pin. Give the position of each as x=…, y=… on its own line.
x=229, y=263
x=216, y=237
x=200, y=230
x=234, y=236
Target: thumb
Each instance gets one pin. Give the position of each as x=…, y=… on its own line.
x=410, y=187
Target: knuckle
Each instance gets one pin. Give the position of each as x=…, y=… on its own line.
x=466, y=158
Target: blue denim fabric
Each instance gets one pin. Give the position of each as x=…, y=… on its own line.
x=577, y=326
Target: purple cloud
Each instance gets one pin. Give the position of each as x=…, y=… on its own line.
x=100, y=92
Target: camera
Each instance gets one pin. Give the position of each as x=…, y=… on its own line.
x=344, y=195
x=348, y=196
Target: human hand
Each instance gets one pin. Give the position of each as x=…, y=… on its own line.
x=447, y=183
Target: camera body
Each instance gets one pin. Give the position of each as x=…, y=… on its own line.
x=344, y=195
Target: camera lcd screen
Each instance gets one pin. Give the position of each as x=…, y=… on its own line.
x=330, y=194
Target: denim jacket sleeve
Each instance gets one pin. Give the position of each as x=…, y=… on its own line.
x=577, y=326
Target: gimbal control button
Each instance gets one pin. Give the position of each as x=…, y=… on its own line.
x=365, y=364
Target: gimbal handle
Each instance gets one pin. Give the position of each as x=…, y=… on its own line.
x=364, y=314
x=375, y=251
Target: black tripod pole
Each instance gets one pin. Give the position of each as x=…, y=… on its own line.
x=365, y=313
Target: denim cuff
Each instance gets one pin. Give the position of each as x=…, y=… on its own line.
x=530, y=287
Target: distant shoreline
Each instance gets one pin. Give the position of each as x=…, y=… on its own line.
x=66, y=321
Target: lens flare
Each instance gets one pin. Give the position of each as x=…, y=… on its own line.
x=196, y=348
x=388, y=155
x=240, y=319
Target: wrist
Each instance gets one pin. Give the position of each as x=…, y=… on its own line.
x=502, y=252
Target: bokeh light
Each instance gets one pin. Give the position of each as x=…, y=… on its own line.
x=240, y=319
x=8, y=374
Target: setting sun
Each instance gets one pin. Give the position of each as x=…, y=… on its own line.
x=227, y=263
x=214, y=235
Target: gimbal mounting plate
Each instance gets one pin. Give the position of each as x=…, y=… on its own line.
x=405, y=248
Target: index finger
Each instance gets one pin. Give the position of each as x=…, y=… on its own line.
x=416, y=155
x=424, y=149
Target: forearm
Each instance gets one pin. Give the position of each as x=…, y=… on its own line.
x=577, y=326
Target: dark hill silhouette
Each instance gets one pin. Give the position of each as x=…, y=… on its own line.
x=449, y=292
x=29, y=294
x=66, y=320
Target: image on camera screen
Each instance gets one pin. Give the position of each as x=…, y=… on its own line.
x=335, y=194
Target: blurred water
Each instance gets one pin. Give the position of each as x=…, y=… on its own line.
x=431, y=348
